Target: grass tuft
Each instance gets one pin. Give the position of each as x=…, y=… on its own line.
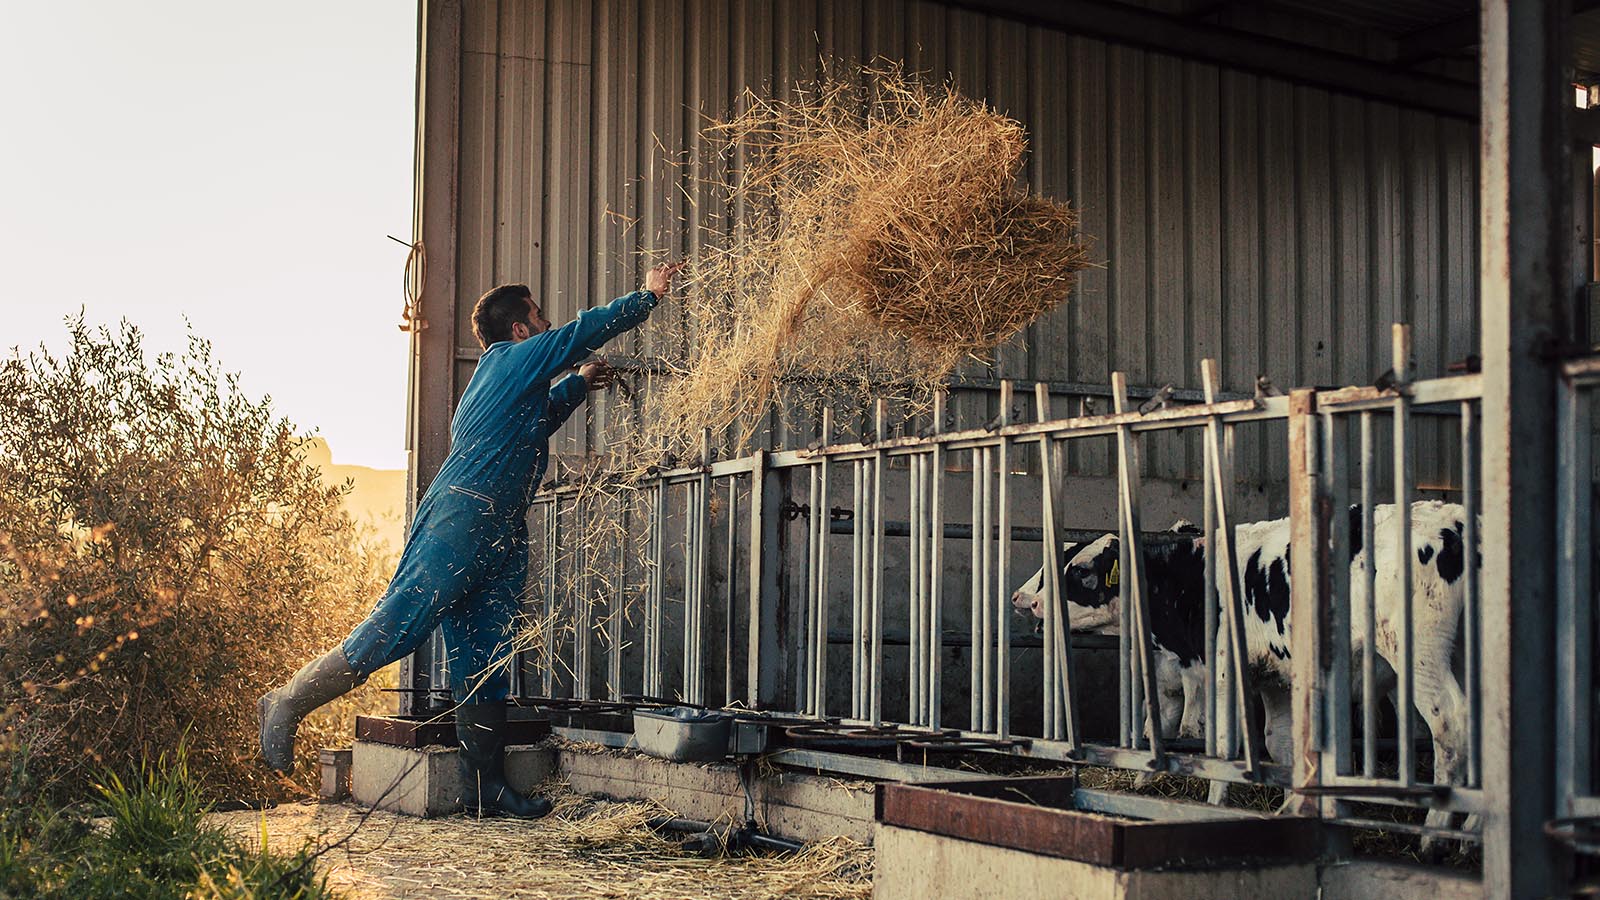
x=144, y=837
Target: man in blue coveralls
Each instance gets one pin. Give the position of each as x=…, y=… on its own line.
x=466, y=559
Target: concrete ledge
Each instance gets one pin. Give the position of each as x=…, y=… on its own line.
x=788, y=804
x=916, y=865
x=427, y=781
x=1368, y=879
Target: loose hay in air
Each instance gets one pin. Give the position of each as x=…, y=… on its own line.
x=882, y=237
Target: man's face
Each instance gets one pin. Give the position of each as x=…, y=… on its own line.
x=536, y=324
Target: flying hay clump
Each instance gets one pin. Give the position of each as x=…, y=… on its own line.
x=882, y=236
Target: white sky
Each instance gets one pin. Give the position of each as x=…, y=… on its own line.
x=234, y=163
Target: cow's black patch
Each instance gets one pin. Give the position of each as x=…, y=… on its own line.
x=1452, y=556
x=1087, y=585
x=1266, y=589
x=1175, y=574
x=1355, y=529
x=1175, y=582
x=1424, y=553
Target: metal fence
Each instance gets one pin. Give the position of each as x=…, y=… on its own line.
x=1577, y=793
x=711, y=571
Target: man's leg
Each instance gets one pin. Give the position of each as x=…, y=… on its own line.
x=478, y=637
x=441, y=562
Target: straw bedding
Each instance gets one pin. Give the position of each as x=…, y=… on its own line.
x=587, y=848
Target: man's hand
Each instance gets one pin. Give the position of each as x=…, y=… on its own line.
x=659, y=279
x=598, y=374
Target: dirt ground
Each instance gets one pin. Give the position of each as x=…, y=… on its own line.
x=587, y=848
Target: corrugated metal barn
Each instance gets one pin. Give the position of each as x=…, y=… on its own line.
x=1269, y=184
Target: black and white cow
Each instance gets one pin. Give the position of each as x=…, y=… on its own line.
x=1176, y=583
x=1175, y=573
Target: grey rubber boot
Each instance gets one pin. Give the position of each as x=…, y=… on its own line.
x=481, y=732
x=319, y=681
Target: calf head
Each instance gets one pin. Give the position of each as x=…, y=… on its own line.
x=1092, y=585
x=1029, y=598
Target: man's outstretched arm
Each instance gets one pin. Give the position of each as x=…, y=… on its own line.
x=547, y=355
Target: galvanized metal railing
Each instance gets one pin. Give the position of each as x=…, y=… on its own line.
x=1332, y=441
x=1578, y=794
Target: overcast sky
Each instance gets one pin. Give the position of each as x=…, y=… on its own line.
x=237, y=164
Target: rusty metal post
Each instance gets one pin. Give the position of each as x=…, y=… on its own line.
x=1525, y=215
x=1308, y=560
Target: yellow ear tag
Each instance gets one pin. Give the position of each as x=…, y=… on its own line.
x=1111, y=580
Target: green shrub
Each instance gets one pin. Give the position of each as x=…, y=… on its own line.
x=166, y=555
x=144, y=838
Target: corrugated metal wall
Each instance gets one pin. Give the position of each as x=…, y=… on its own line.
x=1277, y=227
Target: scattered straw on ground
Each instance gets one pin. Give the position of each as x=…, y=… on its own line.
x=587, y=848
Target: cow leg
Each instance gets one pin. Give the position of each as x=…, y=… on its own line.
x=1170, y=682
x=1218, y=794
x=1277, y=724
x=1442, y=705
x=1193, y=724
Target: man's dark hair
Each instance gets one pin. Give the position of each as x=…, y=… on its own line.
x=499, y=309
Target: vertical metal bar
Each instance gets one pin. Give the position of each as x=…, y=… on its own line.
x=729, y=571
x=763, y=659
x=552, y=537
x=1525, y=287
x=1242, y=705
x=1127, y=696
x=858, y=593
x=815, y=523
x=581, y=602
x=986, y=578
x=619, y=599
x=819, y=672
x=1134, y=587
x=1002, y=587
x=916, y=642
x=652, y=566
x=1405, y=689
x=975, y=606
x=1336, y=710
x=1209, y=530
x=1369, y=594
x=691, y=525
x=1059, y=706
x=875, y=682
x=1308, y=560
x=703, y=577
x=1048, y=693
x=935, y=654
x=1574, y=600
x=1471, y=639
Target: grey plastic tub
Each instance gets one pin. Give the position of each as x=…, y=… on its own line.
x=682, y=734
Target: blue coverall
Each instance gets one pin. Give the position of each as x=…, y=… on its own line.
x=465, y=563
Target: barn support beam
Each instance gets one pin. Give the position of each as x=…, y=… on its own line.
x=1526, y=281
x=1128, y=24
x=431, y=382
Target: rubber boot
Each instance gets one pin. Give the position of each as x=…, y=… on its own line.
x=319, y=681
x=481, y=732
